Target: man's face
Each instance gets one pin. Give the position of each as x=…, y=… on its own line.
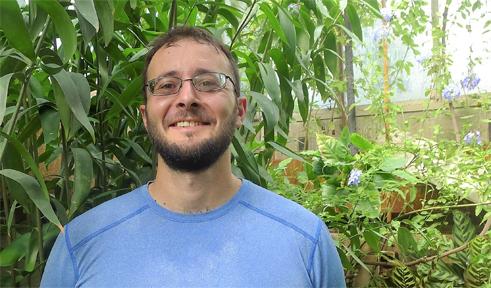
x=191, y=129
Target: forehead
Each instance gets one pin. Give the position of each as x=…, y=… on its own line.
x=187, y=56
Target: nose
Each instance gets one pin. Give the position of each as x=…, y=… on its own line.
x=187, y=96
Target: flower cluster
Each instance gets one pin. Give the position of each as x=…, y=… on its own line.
x=381, y=33
x=473, y=137
x=354, y=177
x=470, y=82
x=294, y=7
x=387, y=14
x=451, y=93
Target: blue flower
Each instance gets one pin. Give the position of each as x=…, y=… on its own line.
x=451, y=93
x=381, y=33
x=473, y=137
x=354, y=177
x=294, y=7
x=387, y=14
x=470, y=82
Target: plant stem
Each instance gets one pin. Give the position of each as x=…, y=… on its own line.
x=243, y=24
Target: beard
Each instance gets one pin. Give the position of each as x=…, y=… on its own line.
x=200, y=156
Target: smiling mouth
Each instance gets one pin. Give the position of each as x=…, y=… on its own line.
x=189, y=124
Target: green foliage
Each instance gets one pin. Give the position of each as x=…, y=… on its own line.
x=402, y=277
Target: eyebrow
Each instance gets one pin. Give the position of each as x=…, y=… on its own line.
x=174, y=73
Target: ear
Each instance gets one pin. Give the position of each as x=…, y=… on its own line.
x=241, y=111
x=143, y=112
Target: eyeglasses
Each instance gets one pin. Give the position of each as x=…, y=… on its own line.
x=204, y=82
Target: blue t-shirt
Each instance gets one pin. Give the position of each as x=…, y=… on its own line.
x=257, y=239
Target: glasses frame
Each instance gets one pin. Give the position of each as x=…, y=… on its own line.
x=151, y=82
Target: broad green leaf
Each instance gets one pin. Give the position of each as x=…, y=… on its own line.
x=87, y=9
x=405, y=175
x=75, y=98
x=63, y=108
x=406, y=242
x=270, y=82
x=4, y=88
x=373, y=240
x=82, y=178
x=15, y=251
x=289, y=29
x=63, y=26
x=285, y=151
x=247, y=163
x=88, y=31
x=10, y=218
x=392, y=163
x=32, y=188
x=32, y=252
x=14, y=28
x=302, y=99
x=273, y=21
x=361, y=142
x=105, y=13
x=50, y=121
x=227, y=14
x=355, y=21
x=269, y=109
x=139, y=150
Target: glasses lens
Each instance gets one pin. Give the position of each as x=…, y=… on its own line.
x=209, y=82
x=166, y=86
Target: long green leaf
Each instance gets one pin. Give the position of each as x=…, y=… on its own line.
x=289, y=29
x=284, y=150
x=83, y=178
x=4, y=88
x=270, y=82
x=16, y=250
x=14, y=27
x=74, y=99
x=87, y=9
x=269, y=109
x=63, y=26
x=355, y=21
x=32, y=188
x=105, y=13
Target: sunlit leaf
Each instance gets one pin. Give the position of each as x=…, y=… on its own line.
x=14, y=27
x=87, y=9
x=74, y=98
x=4, y=88
x=63, y=25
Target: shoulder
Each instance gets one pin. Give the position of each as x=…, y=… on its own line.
x=277, y=208
x=107, y=214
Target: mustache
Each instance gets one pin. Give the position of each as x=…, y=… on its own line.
x=195, y=115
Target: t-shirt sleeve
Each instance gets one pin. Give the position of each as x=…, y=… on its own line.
x=327, y=270
x=59, y=270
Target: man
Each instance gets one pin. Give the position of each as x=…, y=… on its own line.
x=196, y=225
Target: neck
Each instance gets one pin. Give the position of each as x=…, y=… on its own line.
x=195, y=192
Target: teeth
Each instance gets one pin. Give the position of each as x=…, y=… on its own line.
x=187, y=124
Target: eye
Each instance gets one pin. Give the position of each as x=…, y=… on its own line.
x=167, y=85
x=207, y=82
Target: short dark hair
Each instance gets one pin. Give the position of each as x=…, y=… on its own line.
x=199, y=35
